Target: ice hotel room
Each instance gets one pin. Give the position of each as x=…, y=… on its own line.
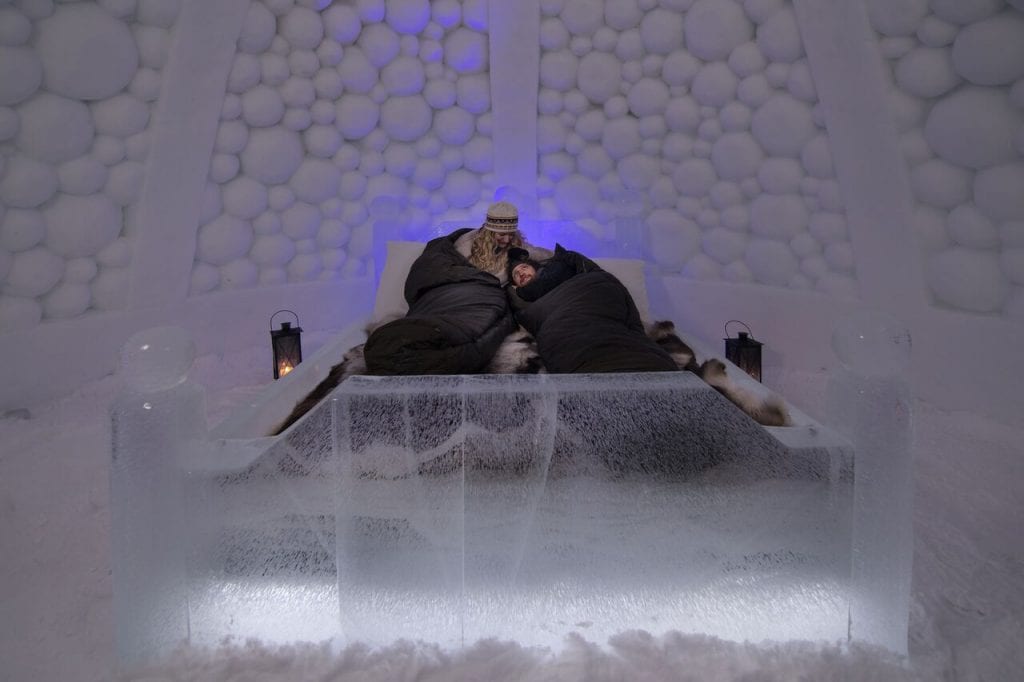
x=841, y=180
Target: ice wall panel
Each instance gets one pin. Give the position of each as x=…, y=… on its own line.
x=495, y=506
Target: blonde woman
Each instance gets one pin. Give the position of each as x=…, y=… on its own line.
x=487, y=247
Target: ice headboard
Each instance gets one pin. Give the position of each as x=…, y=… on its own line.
x=391, y=303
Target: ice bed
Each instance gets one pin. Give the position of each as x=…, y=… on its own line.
x=525, y=507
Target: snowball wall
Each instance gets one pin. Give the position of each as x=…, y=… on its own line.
x=705, y=112
x=958, y=98
x=701, y=116
x=78, y=83
x=330, y=107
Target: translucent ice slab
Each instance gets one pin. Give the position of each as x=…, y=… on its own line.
x=453, y=508
x=530, y=507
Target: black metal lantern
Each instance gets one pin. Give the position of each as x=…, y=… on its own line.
x=287, y=344
x=744, y=351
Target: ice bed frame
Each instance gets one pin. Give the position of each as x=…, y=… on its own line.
x=524, y=507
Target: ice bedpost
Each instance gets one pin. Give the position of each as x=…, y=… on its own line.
x=156, y=418
x=870, y=400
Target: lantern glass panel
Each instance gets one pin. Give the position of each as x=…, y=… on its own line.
x=287, y=347
x=745, y=353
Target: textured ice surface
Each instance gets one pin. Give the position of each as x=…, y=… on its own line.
x=453, y=508
x=525, y=508
x=870, y=402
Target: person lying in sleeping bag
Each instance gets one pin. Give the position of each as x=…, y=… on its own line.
x=458, y=316
x=583, y=317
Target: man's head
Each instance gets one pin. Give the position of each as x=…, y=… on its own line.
x=521, y=268
x=523, y=273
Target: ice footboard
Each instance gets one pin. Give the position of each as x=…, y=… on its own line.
x=526, y=507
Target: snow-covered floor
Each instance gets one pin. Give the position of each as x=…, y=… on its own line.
x=967, y=620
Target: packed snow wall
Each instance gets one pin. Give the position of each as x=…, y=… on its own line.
x=169, y=160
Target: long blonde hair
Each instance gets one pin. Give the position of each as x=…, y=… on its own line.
x=484, y=252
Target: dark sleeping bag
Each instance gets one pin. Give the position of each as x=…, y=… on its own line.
x=458, y=316
x=587, y=321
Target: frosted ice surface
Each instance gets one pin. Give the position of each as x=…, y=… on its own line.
x=446, y=13
x=146, y=84
x=223, y=239
x=474, y=14
x=154, y=423
x=302, y=28
x=157, y=359
x=81, y=225
x=152, y=42
x=779, y=37
x=714, y=85
x=21, y=229
x=800, y=83
x=161, y=13
x=33, y=272
x=896, y=18
x=974, y=127
x=110, y=289
x=357, y=115
x=754, y=90
x=465, y=50
x=315, y=180
x=67, y=300
x=869, y=399
x=736, y=156
x=125, y=182
x=137, y=146
x=300, y=220
x=622, y=16
x=80, y=270
x=673, y=238
x=662, y=31
x=941, y=184
x=996, y=191
x=262, y=106
x=964, y=11
x=244, y=198
x=19, y=312
x=341, y=23
x=783, y=125
x=517, y=512
x=778, y=216
x=713, y=28
x=926, y=72
x=969, y=226
x=116, y=254
x=86, y=53
x=968, y=279
x=54, y=128
x=26, y=182
x=15, y=27
x=771, y=262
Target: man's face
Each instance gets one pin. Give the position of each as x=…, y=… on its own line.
x=523, y=274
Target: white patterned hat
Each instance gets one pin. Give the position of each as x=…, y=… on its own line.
x=502, y=217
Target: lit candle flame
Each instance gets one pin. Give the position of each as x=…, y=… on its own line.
x=285, y=368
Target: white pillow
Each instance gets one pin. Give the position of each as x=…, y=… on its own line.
x=390, y=302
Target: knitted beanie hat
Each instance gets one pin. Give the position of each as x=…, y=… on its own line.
x=502, y=217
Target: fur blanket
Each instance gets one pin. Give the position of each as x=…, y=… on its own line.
x=518, y=355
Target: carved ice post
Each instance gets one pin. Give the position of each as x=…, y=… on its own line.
x=870, y=400
x=155, y=421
